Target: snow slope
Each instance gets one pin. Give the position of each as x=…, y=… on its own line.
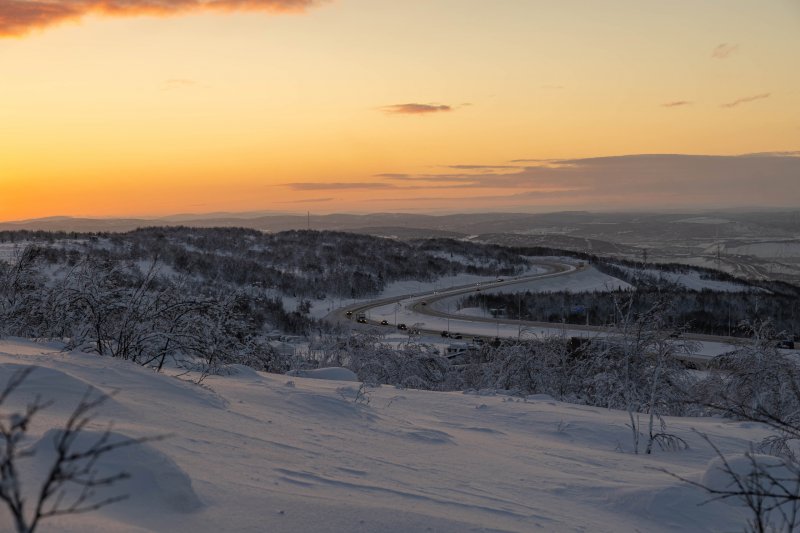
x=261, y=452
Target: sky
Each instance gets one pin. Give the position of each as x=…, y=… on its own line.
x=147, y=108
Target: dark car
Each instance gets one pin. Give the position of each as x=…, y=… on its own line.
x=384, y=322
x=445, y=334
x=362, y=320
x=402, y=326
x=424, y=303
x=349, y=313
x=456, y=336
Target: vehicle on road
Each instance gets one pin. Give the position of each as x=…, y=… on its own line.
x=384, y=322
x=456, y=336
x=402, y=327
x=361, y=320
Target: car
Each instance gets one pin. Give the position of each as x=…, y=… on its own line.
x=384, y=322
x=349, y=313
x=402, y=327
x=456, y=336
x=445, y=334
x=424, y=303
x=361, y=320
x=499, y=280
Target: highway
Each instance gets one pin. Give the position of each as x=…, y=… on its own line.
x=423, y=311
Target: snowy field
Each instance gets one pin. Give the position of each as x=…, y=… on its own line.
x=403, y=312
x=588, y=279
x=691, y=280
x=782, y=249
x=260, y=452
x=10, y=250
x=320, y=309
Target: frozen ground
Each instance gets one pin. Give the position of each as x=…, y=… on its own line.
x=10, y=250
x=320, y=309
x=261, y=452
x=588, y=279
x=780, y=249
x=692, y=281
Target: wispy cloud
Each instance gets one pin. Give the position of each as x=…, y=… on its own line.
x=676, y=103
x=665, y=180
x=415, y=109
x=331, y=186
x=308, y=201
x=746, y=99
x=18, y=17
x=724, y=50
x=481, y=167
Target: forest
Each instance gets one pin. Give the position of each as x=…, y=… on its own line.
x=202, y=300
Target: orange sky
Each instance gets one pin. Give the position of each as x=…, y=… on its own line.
x=382, y=105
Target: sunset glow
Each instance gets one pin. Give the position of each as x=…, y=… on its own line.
x=150, y=108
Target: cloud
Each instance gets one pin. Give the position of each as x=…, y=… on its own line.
x=480, y=167
x=323, y=186
x=415, y=109
x=18, y=17
x=635, y=182
x=724, y=50
x=393, y=175
x=676, y=103
x=308, y=201
x=746, y=99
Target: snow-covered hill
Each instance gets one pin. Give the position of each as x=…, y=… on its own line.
x=265, y=452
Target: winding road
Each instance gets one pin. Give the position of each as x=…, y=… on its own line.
x=422, y=311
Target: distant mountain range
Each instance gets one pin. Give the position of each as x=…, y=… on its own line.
x=580, y=224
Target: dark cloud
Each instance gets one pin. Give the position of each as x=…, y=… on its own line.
x=415, y=109
x=676, y=103
x=746, y=99
x=641, y=181
x=18, y=17
x=724, y=50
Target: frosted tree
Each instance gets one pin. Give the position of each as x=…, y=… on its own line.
x=72, y=484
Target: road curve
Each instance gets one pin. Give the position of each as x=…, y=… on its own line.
x=421, y=303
